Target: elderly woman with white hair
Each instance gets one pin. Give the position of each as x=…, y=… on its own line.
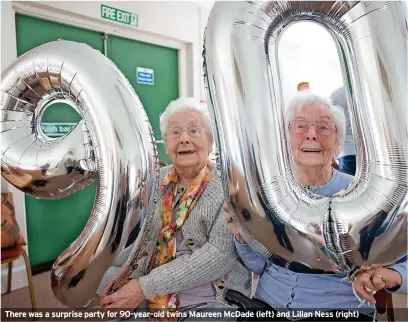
x=317, y=129
x=190, y=260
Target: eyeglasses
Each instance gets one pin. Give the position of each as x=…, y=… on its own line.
x=323, y=128
x=193, y=132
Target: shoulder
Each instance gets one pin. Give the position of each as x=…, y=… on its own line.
x=341, y=180
x=214, y=189
x=164, y=171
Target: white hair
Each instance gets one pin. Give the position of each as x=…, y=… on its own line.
x=305, y=98
x=186, y=104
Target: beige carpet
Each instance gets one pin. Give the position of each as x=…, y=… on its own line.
x=45, y=298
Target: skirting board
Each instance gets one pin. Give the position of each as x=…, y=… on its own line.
x=19, y=277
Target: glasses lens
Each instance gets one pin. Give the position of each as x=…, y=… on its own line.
x=194, y=131
x=325, y=128
x=175, y=132
x=300, y=126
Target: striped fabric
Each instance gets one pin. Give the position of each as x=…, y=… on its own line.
x=10, y=231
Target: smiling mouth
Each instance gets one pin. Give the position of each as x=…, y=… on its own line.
x=311, y=150
x=188, y=152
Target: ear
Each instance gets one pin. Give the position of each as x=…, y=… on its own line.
x=210, y=144
x=210, y=150
x=337, y=150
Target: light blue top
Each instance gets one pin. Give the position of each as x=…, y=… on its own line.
x=338, y=181
x=287, y=291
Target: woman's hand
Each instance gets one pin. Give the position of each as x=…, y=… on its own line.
x=232, y=226
x=375, y=279
x=117, y=279
x=129, y=296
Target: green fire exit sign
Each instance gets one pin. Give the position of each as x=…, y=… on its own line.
x=119, y=15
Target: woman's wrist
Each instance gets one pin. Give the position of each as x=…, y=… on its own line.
x=239, y=239
x=398, y=279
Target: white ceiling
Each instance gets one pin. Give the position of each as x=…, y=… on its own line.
x=203, y=3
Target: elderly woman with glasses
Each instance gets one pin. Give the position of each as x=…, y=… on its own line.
x=189, y=260
x=317, y=129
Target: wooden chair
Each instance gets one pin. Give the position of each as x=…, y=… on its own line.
x=390, y=308
x=384, y=304
x=8, y=256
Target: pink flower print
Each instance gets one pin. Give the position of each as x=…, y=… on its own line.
x=173, y=302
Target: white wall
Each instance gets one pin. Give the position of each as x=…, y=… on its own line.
x=8, y=54
x=307, y=53
x=8, y=35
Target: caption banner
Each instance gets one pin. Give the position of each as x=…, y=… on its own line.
x=207, y=315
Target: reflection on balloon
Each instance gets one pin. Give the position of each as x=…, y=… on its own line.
x=113, y=144
x=364, y=224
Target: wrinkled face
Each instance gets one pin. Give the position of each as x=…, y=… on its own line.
x=187, y=143
x=313, y=144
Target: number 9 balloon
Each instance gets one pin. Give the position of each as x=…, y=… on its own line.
x=362, y=225
x=113, y=144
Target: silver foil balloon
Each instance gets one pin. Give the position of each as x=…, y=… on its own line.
x=113, y=144
x=364, y=224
